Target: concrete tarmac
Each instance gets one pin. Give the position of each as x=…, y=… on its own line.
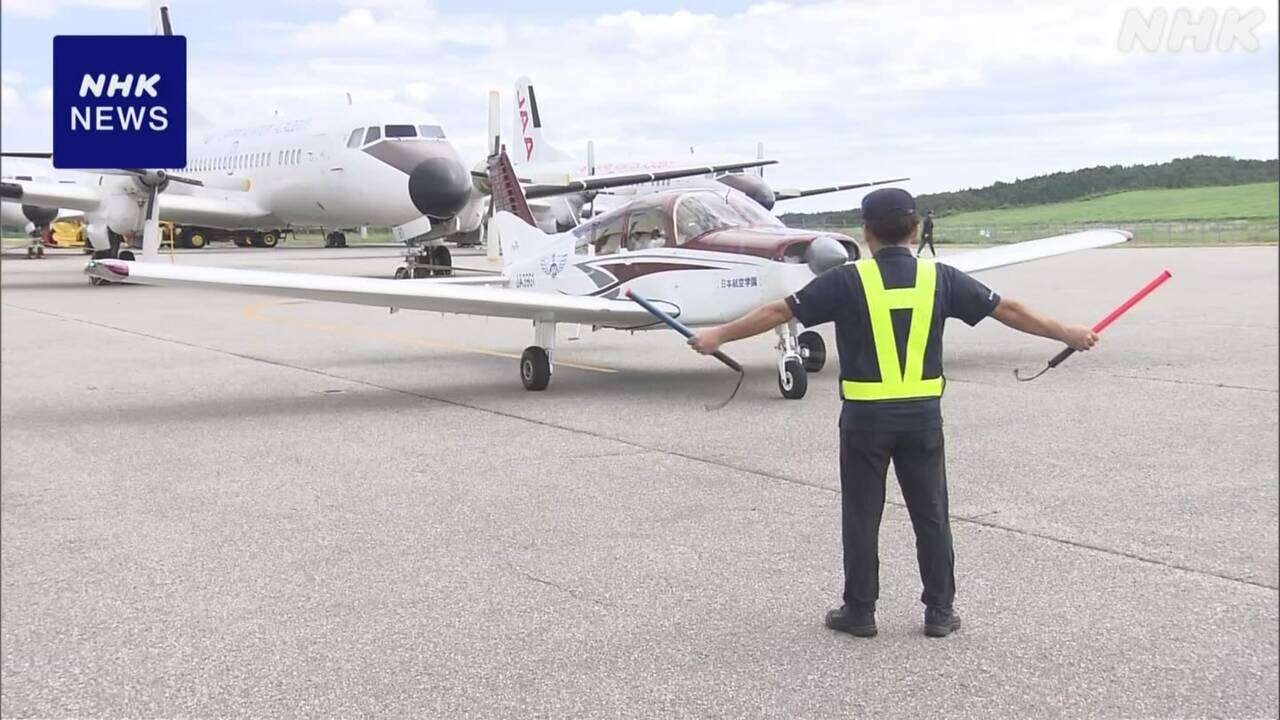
x=224, y=505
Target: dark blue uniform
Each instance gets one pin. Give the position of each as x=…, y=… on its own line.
x=908, y=432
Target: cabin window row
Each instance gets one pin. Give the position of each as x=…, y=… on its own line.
x=246, y=161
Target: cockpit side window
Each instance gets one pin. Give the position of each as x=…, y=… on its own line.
x=431, y=131
x=401, y=131
x=607, y=236
x=646, y=229
x=372, y=134
x=354, y=140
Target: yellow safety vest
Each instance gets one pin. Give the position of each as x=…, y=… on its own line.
x=895, y=382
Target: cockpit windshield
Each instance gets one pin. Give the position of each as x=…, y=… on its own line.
x=702, y=212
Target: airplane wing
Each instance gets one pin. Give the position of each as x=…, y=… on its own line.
x=440, y=297
x=72, y=196
x=791, y=194
x=603, y=182
x=1003, y=255
x=226, y=211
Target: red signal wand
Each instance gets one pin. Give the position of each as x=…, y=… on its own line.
x=1103, y=323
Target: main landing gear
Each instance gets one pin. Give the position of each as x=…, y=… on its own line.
x=799, y=355
x=425, y=262
x=335, y=240
x=535, y=362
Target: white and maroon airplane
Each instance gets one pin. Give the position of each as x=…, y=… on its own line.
x=704, y=256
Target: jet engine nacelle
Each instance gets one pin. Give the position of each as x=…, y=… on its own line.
x=753, y=186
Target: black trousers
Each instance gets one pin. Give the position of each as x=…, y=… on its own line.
x=918, y=458
x=926, y=240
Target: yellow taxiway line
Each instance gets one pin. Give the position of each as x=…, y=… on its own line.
x=255, y=311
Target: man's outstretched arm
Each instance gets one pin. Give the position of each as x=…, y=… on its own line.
x=1022, y=318
x=764, y=318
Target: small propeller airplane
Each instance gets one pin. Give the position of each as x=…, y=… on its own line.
x=701, y=255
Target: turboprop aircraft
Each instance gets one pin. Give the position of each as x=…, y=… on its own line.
x=361, y=165
x=704, y=256
x=537, y=158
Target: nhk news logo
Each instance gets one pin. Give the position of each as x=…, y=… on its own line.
x=119, y=101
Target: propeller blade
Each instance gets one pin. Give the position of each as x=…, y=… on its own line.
x=151, y=228
x=165, y=25
x=34, y=155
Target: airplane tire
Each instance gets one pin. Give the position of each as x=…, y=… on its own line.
x=31, y=252
x=240, y=241
x=268, y=239
x=340, y=240
x=535, y=368
x=402, y=273
x=793, y=381
x=442, y=259
x=814, y=351
x=39, y=251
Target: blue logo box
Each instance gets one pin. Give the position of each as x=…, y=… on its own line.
x=119, y=101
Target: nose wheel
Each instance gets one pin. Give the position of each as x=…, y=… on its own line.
x=793, y=377
x=425, y=262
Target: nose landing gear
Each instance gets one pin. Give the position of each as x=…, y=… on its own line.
x=793, y=376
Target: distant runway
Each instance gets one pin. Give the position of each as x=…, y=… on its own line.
x=219, y=504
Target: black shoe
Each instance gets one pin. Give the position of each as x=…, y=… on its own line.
x=861, y=623
x=940, y=622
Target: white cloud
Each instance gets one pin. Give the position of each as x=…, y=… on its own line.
x=49, y=8
x=952, y=94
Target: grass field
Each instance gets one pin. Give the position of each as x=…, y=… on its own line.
x=1258, y=201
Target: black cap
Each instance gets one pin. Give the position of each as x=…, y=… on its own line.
x=887, y=202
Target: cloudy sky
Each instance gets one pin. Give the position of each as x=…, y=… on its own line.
x=954, y=94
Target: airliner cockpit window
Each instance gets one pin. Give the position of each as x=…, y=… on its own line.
x=372, y=134
x=401, y=131
x=354, y=140
x=431, y=131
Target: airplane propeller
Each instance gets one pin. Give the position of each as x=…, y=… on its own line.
x=591, y=170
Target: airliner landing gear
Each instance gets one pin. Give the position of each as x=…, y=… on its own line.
x=424, y=262
x=535, y=362
x=35, y=250
x=335, y=240
x=793, y=379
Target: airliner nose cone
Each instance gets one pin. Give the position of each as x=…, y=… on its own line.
x=439, y=187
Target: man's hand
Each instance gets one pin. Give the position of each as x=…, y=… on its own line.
x=706, y=341
x=1079, y=337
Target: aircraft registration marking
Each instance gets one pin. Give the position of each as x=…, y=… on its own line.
x=255, y=312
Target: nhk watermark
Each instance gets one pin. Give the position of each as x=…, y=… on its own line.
x=1180, y=29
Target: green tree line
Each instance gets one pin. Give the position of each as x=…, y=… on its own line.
x=1197, y=171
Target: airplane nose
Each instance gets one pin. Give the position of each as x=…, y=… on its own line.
x=439, y=187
